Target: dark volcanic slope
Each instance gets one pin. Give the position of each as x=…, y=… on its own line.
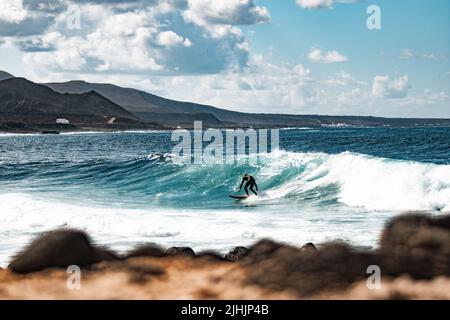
x=27, y=103
x=5, y=75
x=151, y=108
x=18, y=95
x=132, y=99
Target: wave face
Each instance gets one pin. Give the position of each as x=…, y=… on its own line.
x=284, y=177
x=127, y=188
x=374, y=183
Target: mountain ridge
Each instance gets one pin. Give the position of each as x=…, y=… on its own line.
x=26, y=104
x=5, y=75
x=150, y=107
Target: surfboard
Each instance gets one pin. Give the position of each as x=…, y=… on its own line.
x=238, y=197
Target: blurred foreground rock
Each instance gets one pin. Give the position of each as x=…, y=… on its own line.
x=413, y=257
x=59, y=248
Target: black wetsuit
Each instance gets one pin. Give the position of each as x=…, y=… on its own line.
x=250, y=182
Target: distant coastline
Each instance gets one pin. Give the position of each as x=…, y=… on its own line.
x=78, y=106
x=49, y=130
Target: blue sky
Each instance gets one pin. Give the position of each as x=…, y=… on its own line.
x=287, y=56
x=422, y=26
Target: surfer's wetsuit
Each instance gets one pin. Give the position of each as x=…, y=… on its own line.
x=250, y=182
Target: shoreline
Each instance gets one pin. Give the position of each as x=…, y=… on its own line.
x=169, y=129
x=410, y=268
x=87, y=132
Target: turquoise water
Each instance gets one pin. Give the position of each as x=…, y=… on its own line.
x=127, y=188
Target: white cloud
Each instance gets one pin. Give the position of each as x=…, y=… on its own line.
x=226, y=12
x=384, y=87
x=407, y=53
x=317, y=56
x=147, y=36
x=263, y=86
x=321, y=4
x=187, y=43
x=427, y=99
x=301, y=70
x=170, y=39
x=350, y=98
x=343, y=78
x=429, y=56
x=204, y=55
x=314, y=4
x=12, y=11
x=109, y=42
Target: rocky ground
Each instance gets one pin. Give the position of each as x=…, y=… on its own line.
x=413, y=257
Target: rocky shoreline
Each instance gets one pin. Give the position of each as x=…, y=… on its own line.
x=413, y=258
x=22, y=128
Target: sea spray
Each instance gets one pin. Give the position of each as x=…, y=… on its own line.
x=191, y=148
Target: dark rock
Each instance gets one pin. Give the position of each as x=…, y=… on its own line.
x=183, y=251
x=148, y=250
x=261, y=250
x=104, y=254
x=210, y=256
x=237, y=253
x=59, y=248
x=309, y=248
x=146, y=269
x=49, y=132
x=416, y=245
x=333, y=267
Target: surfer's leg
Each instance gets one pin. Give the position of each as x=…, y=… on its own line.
x=251, y=188
x=246, y=187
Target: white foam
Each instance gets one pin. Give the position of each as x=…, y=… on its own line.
x=10, y=134
x=112, y=132
x=383, y=184
x=364, y=181
x=23, y=216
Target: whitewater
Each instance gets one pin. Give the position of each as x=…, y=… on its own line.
x=126, y=189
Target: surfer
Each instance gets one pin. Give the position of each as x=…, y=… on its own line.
x=250, y=182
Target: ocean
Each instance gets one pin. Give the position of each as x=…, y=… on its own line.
x=125, y=188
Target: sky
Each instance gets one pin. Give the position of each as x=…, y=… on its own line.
x=283, y=56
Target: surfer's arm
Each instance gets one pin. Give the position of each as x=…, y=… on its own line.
x=242, y=182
